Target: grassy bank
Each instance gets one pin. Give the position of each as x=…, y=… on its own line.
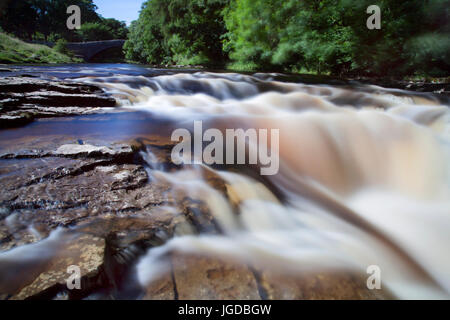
x=13, y=50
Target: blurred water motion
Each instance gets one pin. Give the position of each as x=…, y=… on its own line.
x=364, y=175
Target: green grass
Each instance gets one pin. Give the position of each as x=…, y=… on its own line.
x=13, y=50
x=242, y=66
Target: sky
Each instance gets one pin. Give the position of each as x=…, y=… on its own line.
x=123, y=10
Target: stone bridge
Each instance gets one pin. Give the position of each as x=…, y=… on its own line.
x=87, y=50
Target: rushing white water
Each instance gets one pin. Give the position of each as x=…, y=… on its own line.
x=365, y=173
x=364, y=177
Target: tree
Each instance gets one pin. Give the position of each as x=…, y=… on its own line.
x=146, y=43
x=178, y=31
x=118, y=29
x=105, y=29
x=28, y=19
x=58, y=15
x=19, y=18
x=92, y=31
x=321, y=36
x=331, y=36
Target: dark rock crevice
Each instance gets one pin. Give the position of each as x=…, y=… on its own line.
x=259, y=283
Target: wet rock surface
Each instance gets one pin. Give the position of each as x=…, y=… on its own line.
x=68, y=184
x=194, y=277
x=85, y=252
x=318, y=286
x=104, y=194
x=117, y=211
x=95, y=204
x=24, y=99
x=201, y=278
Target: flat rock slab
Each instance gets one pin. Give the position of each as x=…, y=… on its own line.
x=32, y=269
x=204, y=278
x=26, y=84
x=24, y=99
x=64, y=184
x=318, y=286
x=196, y=277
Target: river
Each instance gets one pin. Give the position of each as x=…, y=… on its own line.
x=363, y=177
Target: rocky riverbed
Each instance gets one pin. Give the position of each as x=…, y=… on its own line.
x=103, y=194
x=78, y=189
x=100, y=194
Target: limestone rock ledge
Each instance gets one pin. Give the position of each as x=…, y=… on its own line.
x=112, y=212
x=23, y=99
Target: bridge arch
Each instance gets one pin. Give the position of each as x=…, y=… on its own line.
x=87, y=50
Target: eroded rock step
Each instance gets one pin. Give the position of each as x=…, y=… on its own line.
x=99, y=191
x=107, y=275
x=103, y=194
x=203, y=278
x=112, y=213
x=23, y=99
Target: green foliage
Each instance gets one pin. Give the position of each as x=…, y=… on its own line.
x=46, y=20
x=60, y=46
x=320, y=36
x=429, y=54
x=105, y=29
x=291, y=34
x=331, y=36
x=182, y=32
x=13, y=50
x=118, y=29
x=38, y=19
x=145, y=43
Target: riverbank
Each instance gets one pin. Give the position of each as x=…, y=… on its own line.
x=413, y=83
x=14, y=51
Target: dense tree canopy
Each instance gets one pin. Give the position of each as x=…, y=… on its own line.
x=320, y=36
x=310, y=35
x=106, y=29
x=178, y=32
x=46, y=20
x=331, y=36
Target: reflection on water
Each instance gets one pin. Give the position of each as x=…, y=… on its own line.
x=108, y=127
x=364, y=175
